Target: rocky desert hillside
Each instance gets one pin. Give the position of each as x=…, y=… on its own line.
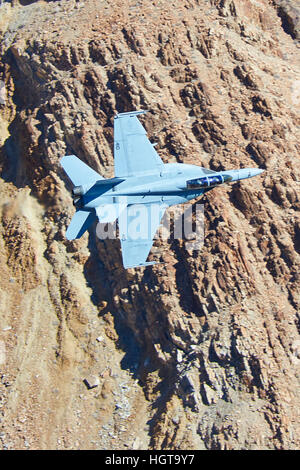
x=203, y=350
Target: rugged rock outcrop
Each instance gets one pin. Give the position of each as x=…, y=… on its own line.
x=201, y=351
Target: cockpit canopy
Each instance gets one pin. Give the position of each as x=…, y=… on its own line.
x=207, y=181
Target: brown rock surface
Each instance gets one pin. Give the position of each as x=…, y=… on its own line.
x=199, y=352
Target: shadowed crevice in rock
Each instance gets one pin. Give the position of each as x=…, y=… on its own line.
x=287, y=21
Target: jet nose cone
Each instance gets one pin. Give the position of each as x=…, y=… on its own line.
x=249, y=172
x=256, y=171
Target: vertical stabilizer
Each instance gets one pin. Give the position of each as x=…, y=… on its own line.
x=78, y=172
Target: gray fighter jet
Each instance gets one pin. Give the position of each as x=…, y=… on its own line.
x=141, y=178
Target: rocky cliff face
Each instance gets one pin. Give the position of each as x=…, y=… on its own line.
x=203, y=351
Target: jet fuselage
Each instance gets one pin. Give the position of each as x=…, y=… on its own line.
x=175, y=184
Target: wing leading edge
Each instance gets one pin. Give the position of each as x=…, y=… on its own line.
x=133, y=152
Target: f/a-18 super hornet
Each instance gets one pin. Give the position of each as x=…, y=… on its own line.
x=141, y=178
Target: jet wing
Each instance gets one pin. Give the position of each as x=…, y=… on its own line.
x=133, y=152
x=137, y=226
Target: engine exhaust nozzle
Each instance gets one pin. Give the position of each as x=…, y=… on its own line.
x=78, y=191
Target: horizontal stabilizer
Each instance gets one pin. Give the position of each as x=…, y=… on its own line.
x=79, y=224
x=78, y=172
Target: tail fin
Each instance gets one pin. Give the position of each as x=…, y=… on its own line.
x=80, y=223
x=78, y=172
